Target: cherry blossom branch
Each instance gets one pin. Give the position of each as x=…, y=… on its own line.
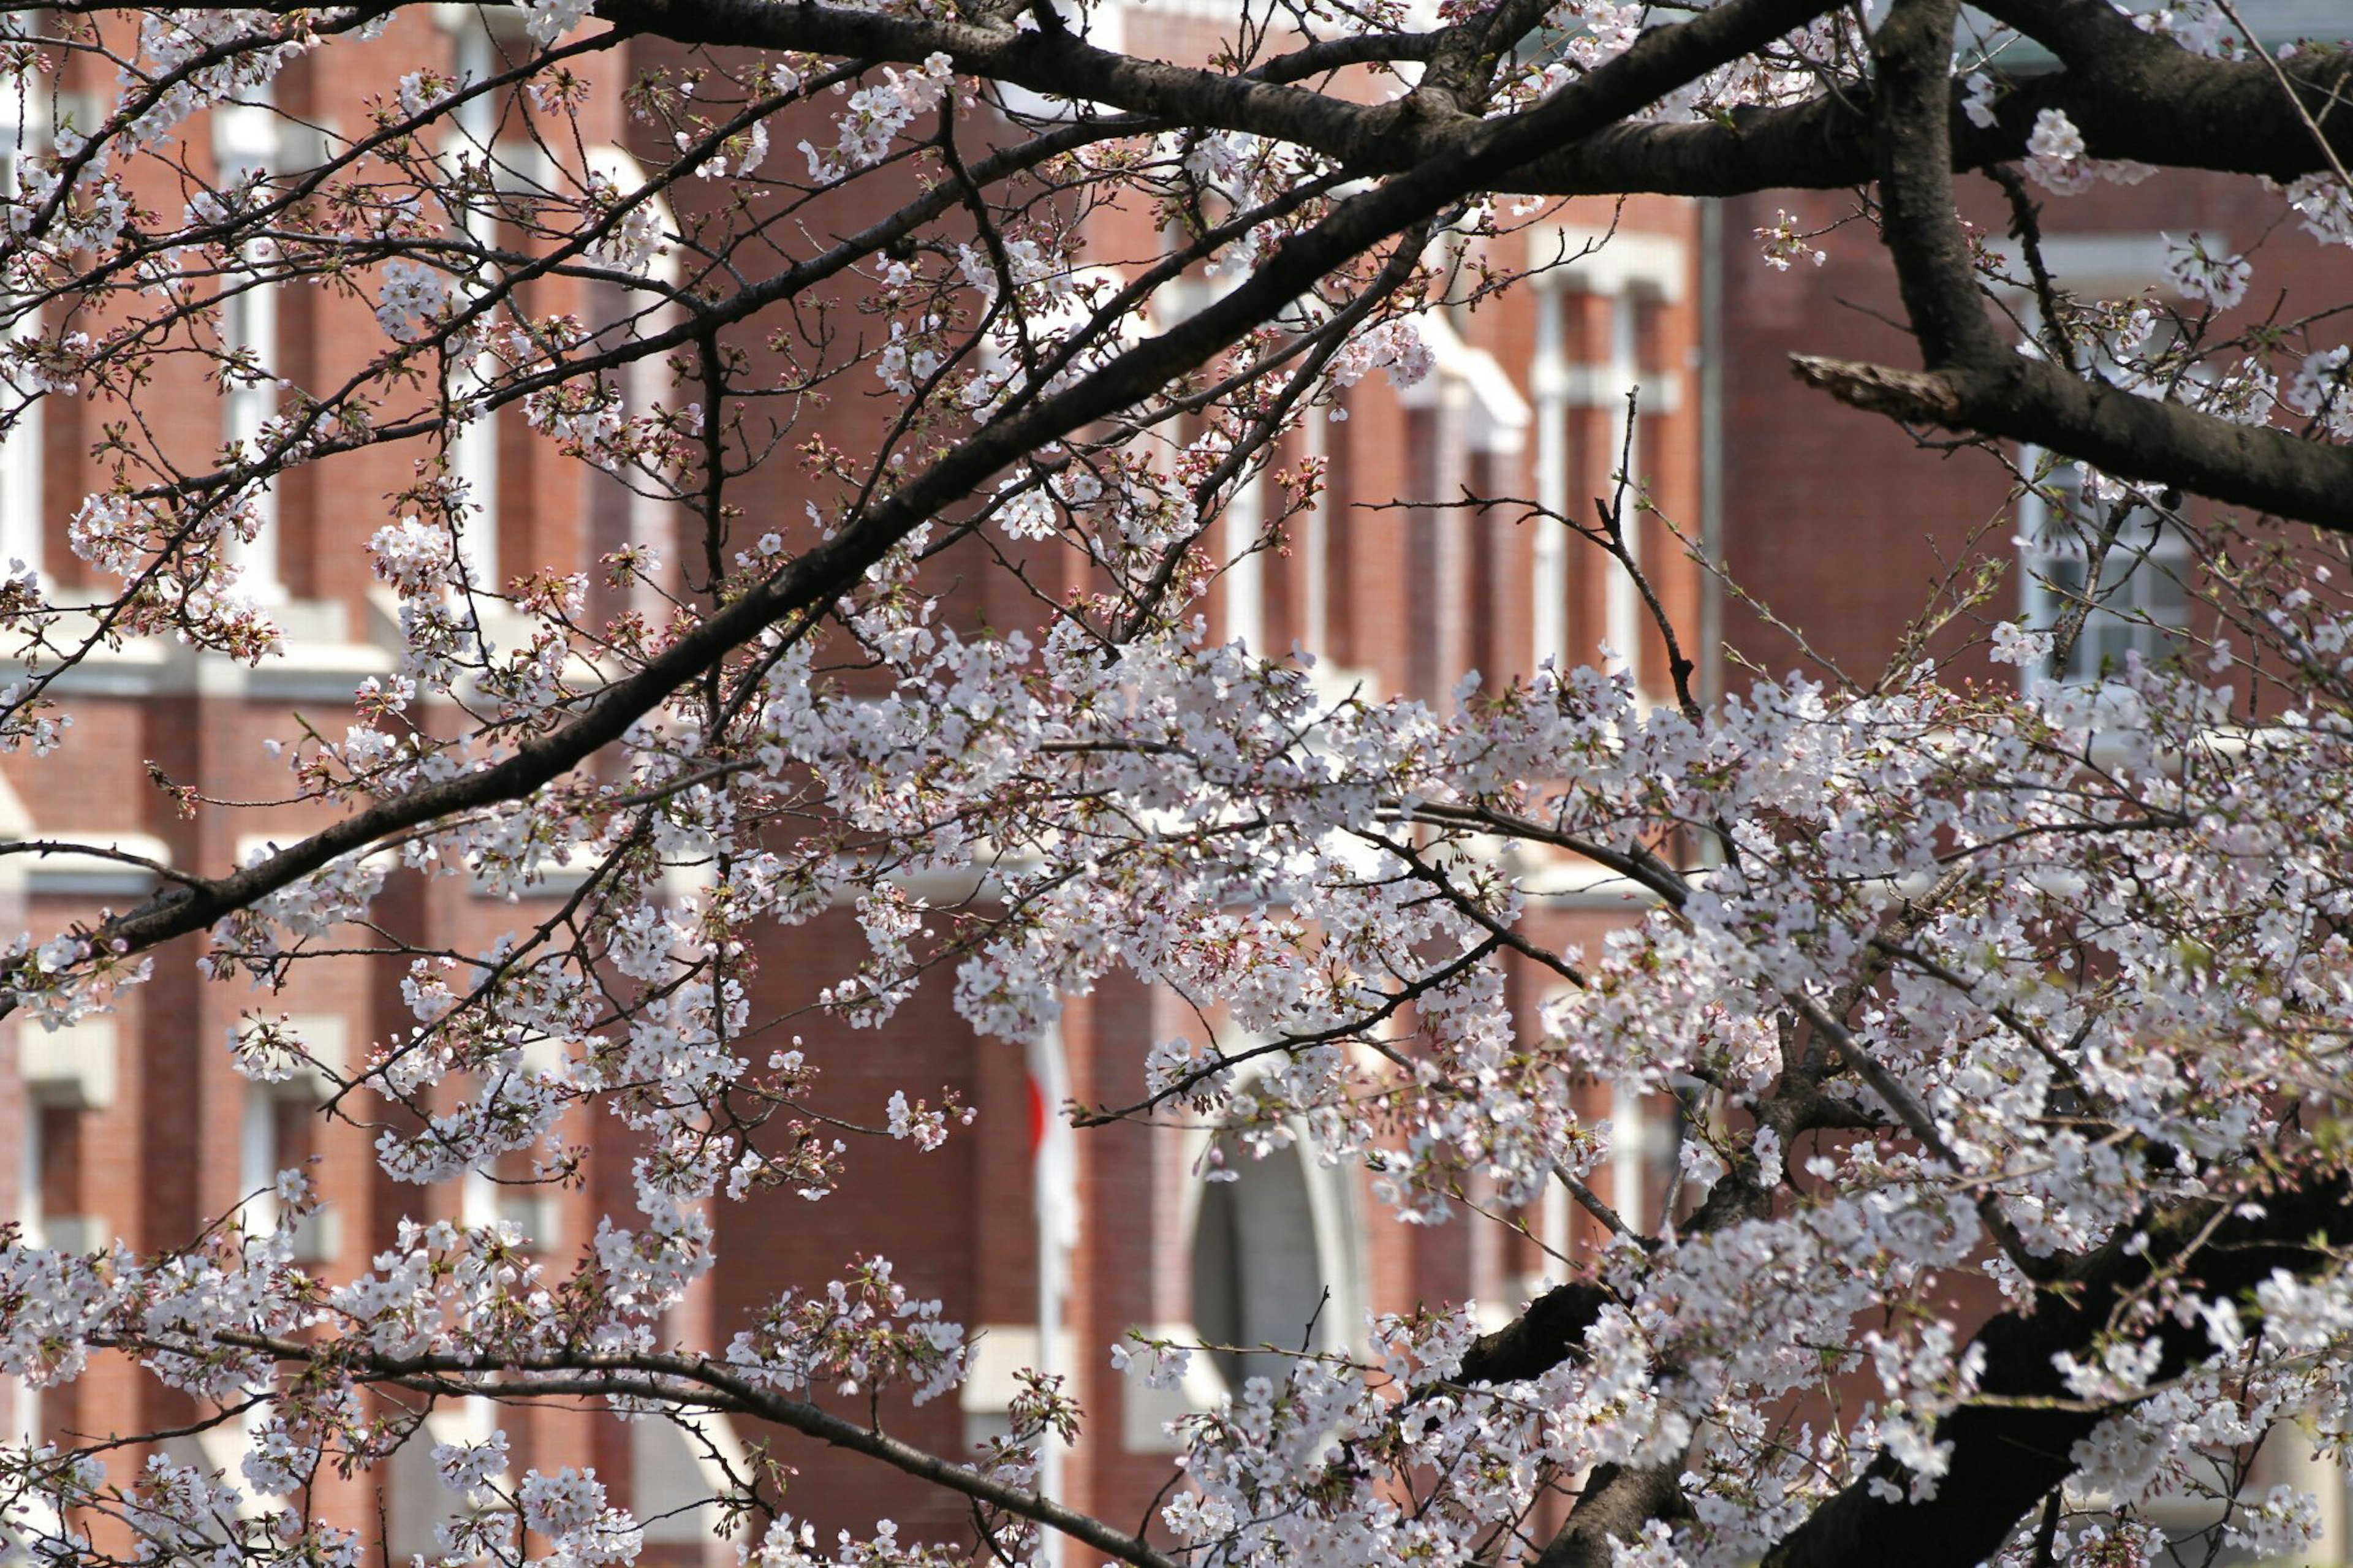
x=674, y=1379
x=1660, y=60
x=1923, y=1126
x=2013, y=1446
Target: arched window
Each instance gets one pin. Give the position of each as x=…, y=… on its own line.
x=1274, y=1264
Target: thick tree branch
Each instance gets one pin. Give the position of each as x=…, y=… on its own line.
x=2133, y=95
x=1615, y=1505
x=1915, y=185
x=1974, y=381
x=1539, y=1339
x=2138, y=439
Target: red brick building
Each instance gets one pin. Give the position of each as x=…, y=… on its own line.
x=136, y=1125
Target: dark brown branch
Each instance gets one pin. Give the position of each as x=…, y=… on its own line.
x=2139, y=438
x=1914, y=169
x=1539, y=1339
x=1615, y=1505
x=2008, y=1456
x=2132, y=94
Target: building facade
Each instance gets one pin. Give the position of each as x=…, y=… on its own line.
x=135, y=1125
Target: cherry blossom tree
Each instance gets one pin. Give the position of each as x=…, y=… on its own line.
x=2044, y=990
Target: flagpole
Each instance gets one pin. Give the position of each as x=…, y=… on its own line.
x=1055, y=1205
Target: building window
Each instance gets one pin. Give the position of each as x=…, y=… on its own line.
x=1565, y=388
x=2140, y=602
x=282, y=1127
x=2127, y=573
x=64, y=1074
x=1272, y=1265
x=1599, y=334
x=419, y=1506
x=280, y=1131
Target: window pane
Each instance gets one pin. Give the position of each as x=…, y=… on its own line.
x=1257, y=1279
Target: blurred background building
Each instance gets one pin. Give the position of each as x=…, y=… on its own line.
x=1667, y=346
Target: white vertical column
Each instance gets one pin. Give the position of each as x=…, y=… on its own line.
x=1054, y=1197
x=1548, y=383
x=257, y=1158
x=1624, y=623
x=1452, y=534
x=31, y=1220
x=249, y=328
x=23, y=124
x=2034, y=520
x=1629, y=1148
x=1245, y=574
x=20, y=442
x=474, y=449
x=245, y=144
x=20, y=488
x=652, y=519
x=1316, y=544
x=470, y=1419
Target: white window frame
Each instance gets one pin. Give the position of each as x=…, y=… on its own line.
x=260, y=1157
x=474, y=450
x=1629, y=270
x=32, y=1221
x=2141, y=604
x=1622, y=618
x=245, y=141
x=1244, y=574
x=1315, y=541
x=1549, y=389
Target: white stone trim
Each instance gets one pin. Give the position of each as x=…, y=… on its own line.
x=1599, y=261
x=1499, y=416
x=70, y=1067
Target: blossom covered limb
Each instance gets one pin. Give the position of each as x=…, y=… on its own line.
x=669, y=1380
x=2011, y=1452
x=817, y=576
